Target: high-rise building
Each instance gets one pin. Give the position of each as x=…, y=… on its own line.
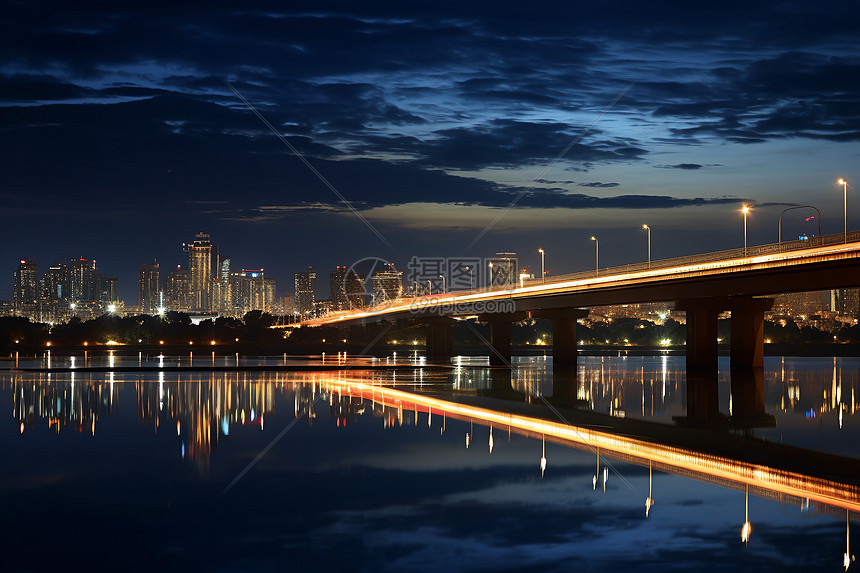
x=25, y=294
x=387, y=284
x=346, y=289
x=108, y=286
x=179, y=290
x=798, y=304
x=200, y=269
x=305, y=283
x=503, y=269
x=148, y=288
x=54, y=287
x=337, y=289
x=356, y=290
x=845, y=302
x=222, y=291
x=270, y=295
x=250, y=291
x=82, y=281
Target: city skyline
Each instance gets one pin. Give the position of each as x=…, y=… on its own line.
x=411, y=129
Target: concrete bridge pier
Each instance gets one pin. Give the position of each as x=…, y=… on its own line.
x=439, y=339
x=500, y=342
x=500, y=335
x=747, y=343
x=701, y=331
x=563, y=336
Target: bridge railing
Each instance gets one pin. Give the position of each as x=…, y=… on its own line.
x=741, y=252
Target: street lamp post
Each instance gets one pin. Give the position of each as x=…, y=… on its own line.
x=648, y=229
x=745, y=210
x=596, y=256
x=492, y=284
x=844, y=184
x=429, y=286
x=444, y=289
x=542, y=271
x=779, y=223
x=470, y=277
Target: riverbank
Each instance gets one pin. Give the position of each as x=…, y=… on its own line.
x=301, y=349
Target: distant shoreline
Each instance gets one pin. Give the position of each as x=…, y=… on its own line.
x=811, y=349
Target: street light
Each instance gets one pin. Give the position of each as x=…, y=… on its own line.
x=542, y=271
x=779, y=223
x=491, y=274
x=648, y=229
x=745, y=210
x=596, y=256
x=444, y=290
x=844, y=184
x=470, y=277
x=429, y=287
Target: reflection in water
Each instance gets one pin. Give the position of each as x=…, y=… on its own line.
x=747, y=528
x=649, y=501
x=203, y=408
x=806, y=401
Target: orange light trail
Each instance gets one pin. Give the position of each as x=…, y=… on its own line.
x=816, y=489
x=607, y=279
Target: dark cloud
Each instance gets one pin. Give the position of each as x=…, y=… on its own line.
x=598, y=185
x=684, y=166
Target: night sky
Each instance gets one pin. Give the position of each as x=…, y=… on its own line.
x=122, y=138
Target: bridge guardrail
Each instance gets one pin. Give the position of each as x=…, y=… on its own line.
x=741, y=252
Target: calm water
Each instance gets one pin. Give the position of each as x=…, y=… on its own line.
x=274, y=470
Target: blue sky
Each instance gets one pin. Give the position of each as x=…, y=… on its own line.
x=121, y=139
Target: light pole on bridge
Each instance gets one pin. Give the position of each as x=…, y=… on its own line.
x=844, y=184
x=648, y=229
x=444, y=290
x=542, y=271
x=745, y=210
x=596, y=256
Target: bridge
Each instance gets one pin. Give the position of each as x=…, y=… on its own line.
x=738, y=280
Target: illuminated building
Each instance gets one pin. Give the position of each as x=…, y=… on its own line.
x=355, y=290
x=845, y=302
x=305, y=283
x=108, y=287
x=82, y=281
x=387, y=285
x=54, y=287
x=179, y=290
x=26, y=292
x=504, y=269
x=200, y=273
x=222, y=292
x=148, y=288
x=54, y=293
x=250, y=290
x=797, y=304
x=346, y=289
x=337, y=288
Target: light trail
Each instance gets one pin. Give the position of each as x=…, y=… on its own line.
x=653, y=276
x=677, y=459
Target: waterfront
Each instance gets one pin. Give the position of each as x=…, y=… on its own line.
x=156, y=469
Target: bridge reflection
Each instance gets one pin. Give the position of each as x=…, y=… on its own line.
x=201, y=408
x=662, y=448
